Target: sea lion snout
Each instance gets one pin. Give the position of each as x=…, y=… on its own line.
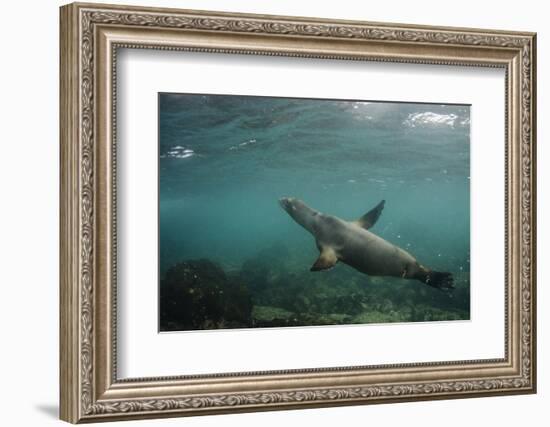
x=300, y=212
x=287, y=203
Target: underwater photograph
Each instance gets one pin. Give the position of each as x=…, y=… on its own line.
x=286, y=212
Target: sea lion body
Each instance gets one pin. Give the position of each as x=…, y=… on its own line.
x=352, y=243
x=364, y=250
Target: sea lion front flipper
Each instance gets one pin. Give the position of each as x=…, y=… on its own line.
x=370, y=218
x=327, y=259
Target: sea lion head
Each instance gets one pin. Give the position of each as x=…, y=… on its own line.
x=300, y=212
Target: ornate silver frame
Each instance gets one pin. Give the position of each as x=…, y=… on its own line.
x=90, y=36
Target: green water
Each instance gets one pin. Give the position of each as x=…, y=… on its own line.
x=230, y=257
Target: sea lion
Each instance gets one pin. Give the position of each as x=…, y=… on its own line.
x=354, y=244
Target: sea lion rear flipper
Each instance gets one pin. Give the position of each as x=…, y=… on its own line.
x=370, y=218
x=327, y=259
x=440, y=280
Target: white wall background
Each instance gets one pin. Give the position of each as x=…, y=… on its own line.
x=29, y=170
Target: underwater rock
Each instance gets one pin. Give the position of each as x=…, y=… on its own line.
x=266, y=313
x=377, y=317
x=197, y=294
x=267, y=316
x=285, y=293
x=265, y=267
x=274, y=282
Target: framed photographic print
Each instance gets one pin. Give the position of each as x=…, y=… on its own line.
x=265, y=212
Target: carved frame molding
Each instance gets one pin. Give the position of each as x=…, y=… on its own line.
x=90, y=36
